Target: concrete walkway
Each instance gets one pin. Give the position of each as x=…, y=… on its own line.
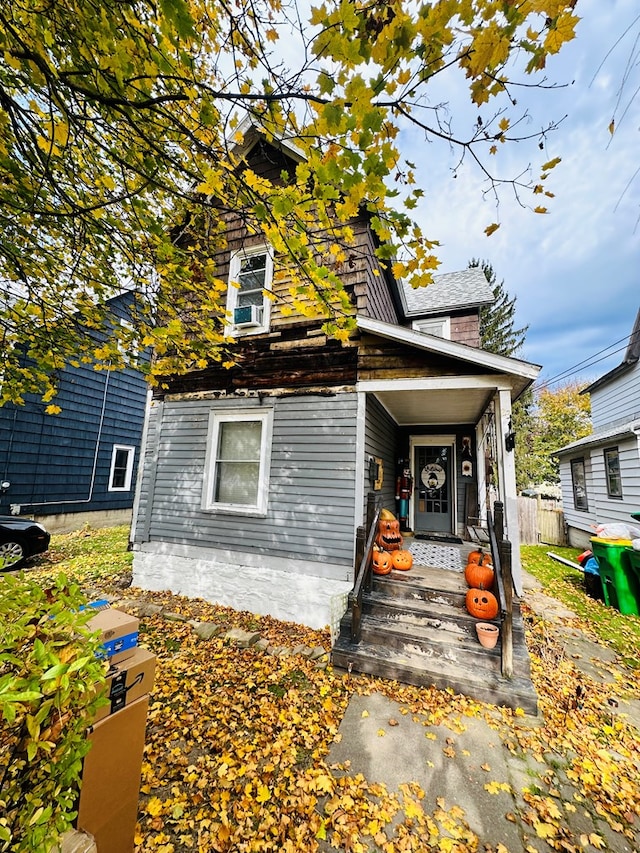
x=454, y=761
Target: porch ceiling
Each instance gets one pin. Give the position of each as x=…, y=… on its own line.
x=434, y=407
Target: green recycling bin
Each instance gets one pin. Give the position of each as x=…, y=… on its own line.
x=620, y=584
x=634, y=564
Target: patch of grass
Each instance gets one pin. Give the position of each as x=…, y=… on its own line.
x=614, y=629
x=91, y=556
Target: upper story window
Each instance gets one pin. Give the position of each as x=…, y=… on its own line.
x=439, y=326
x=121, y=468
x=250, y=278
x=612, y=472
x=579, y=483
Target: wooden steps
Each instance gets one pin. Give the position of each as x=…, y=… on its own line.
x=415, y=629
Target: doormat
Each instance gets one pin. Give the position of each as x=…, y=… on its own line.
x=432, y=537
x=436, y=556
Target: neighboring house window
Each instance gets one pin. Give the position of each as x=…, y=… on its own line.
x=121, y=468
x=250, y=278
x=612, y=472
x=440, y=326
x=579, y=482
x=237, y=466
x=133, y=349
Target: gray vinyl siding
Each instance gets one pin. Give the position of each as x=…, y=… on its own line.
x=602, y=508
x=617, y=400
x=310, y=511
x=380, y=439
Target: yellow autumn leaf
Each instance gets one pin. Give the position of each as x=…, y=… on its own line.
x=381, y=733
x=545, y=830
x=490, y=229
x=540, y=209
x=563, y=31
x=154, y=807
x=263, y=794
x=551, y=164
x=495, y=787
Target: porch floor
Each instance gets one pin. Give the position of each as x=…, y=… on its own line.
x=416, y=629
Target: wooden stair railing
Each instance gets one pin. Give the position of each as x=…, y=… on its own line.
x=501, y=553
x=365, y=538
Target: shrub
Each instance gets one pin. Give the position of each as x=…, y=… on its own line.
x=51, y=684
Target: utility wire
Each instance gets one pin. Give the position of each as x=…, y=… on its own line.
x=585, y=363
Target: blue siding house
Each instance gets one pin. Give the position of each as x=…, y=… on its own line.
x=77, y=467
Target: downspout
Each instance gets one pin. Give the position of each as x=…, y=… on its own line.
x=17, y=508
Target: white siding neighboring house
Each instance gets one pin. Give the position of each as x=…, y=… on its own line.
x=600, y=474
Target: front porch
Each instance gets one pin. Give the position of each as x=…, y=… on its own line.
x=414, y=627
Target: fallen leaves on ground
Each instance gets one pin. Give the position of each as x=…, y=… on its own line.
x=237, y=747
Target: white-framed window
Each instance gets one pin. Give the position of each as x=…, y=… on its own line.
x=612, y=472
x=250, y=277
x=579, y=484
x=439, y=326
x=238, y=460
x=121, y=470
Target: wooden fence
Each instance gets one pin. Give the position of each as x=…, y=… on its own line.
x=541, y=522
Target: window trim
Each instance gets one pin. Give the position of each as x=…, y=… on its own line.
x=574, y=464
x=232, y=291
x=605, y=454
x=131, y=454
x=217, y=417
x=443, y=322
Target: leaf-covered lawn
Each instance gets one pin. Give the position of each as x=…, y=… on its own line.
x=620, y=632
x=237, y=739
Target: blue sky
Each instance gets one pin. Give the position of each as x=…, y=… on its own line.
x=575, y=271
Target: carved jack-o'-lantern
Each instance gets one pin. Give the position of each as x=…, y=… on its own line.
x=482, y=604
x=382, y=564
x=389, y=538
x=479, y=576
x=402, y=560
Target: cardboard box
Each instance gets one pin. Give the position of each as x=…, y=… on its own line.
x=127, y=681
x=119, y=633
x=108, y=804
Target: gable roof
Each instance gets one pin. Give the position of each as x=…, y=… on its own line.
x=522, y=372
x=448, y=292
x=631, y=357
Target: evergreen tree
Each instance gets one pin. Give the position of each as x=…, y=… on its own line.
x=498, y=335
x=497, y=332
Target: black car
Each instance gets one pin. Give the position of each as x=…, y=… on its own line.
x=20, y=538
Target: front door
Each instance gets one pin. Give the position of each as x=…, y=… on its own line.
x=433, y=493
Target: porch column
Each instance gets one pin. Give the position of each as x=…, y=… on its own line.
x=507, y=470
x=481, y=442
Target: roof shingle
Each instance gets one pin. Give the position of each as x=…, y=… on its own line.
x=449, y=292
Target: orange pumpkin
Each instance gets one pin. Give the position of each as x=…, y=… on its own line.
x=382, y=564
x=475, y=557
x=482, y=604
x=480, y=557
x=402, y=560
x=479, y=576
x=388, y=538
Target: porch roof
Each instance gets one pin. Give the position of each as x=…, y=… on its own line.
x=435, y=400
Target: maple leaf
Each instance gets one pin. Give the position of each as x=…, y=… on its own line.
x=263, y=794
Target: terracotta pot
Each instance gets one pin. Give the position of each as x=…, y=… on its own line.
x=487, y=634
